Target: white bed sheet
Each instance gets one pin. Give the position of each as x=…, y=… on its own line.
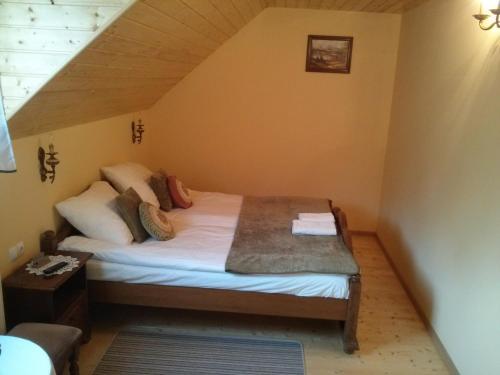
x=197, y=255
x=300, y=284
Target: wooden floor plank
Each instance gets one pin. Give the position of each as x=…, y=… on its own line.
x=392, y=337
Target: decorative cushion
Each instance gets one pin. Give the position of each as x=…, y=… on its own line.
x=178, y=192
x=128, y=207
x=156, y=222
x=94, y=213
x=158, y=183
x=126, y=175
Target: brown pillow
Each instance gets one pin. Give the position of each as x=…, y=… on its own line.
x=158, y=183
x=128, y=208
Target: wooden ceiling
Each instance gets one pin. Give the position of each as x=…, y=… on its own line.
x=146, y=51
x=37, y=38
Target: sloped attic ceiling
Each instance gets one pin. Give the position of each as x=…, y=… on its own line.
x=146, y=51
x=37, y=38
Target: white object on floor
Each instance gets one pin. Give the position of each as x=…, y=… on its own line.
x=327, y=216
x=23, y=357
x=314, y=228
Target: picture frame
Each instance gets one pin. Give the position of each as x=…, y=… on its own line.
x=329, y=54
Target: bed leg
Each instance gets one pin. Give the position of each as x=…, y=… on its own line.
x=351, y=322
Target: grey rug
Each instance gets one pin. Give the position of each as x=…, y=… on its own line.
x=147, y=350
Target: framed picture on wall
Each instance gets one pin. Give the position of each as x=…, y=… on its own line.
x=329, y=54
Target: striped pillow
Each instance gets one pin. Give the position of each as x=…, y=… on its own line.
x=156, y=222
x=179, y=194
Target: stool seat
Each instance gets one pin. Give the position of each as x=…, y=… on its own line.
x=61, y=343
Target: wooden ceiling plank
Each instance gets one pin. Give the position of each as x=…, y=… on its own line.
x=360, y=5
x=104, y=58
x=256, y=7
x=348, y=5
x=315, y=4
x=228, y=10
x=77, y=3
x=386, y=5
x=206, y=10
x=136, y=31
x=243, y=9
x=19, y=85
x=19, y=62
x=168, y=56
x=304, y=4
x=344, y=4
x=189, y=19
x=49, y=16
x=155, y=19
x=395, y=8
x=42, y=40
x=98, y=71
x=369, y=5
x=77, y=84
x=411, y=4
x=122, y=45
x=326, y=4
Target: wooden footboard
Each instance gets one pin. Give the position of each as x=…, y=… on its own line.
x=223, y=300
x=273, y=304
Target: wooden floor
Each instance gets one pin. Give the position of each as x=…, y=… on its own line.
x=392, y=337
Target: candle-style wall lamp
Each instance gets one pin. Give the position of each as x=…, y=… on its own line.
x=483, y=17
x=137, y=131
x=51, y=162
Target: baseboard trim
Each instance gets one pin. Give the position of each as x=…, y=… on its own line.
x=435, y=338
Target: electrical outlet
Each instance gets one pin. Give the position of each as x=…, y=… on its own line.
x=16, y=251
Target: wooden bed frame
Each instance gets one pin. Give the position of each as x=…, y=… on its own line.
x=205, y=299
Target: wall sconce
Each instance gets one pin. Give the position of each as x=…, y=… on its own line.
x=52, y=161
x=137, y=131
x=482, y=17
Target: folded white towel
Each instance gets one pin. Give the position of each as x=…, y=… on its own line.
x=327, y=216
x=317, y=228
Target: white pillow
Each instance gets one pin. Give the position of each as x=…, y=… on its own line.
x=94, y=213
x=136, y=176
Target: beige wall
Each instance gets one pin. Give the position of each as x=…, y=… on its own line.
x=440, y=213
x=250, y=120
x=27, y=204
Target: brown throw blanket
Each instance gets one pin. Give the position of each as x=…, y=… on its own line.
x=263, y=242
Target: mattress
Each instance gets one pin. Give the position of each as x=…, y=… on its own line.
x=302, y=285
x=196, y=256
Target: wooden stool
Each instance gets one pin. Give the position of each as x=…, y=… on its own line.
x=62, y=343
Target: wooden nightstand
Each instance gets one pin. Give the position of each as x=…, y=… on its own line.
x=61, y=299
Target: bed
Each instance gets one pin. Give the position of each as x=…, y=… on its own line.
x=188, y=272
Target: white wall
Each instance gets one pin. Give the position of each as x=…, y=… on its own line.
x=440, y=212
